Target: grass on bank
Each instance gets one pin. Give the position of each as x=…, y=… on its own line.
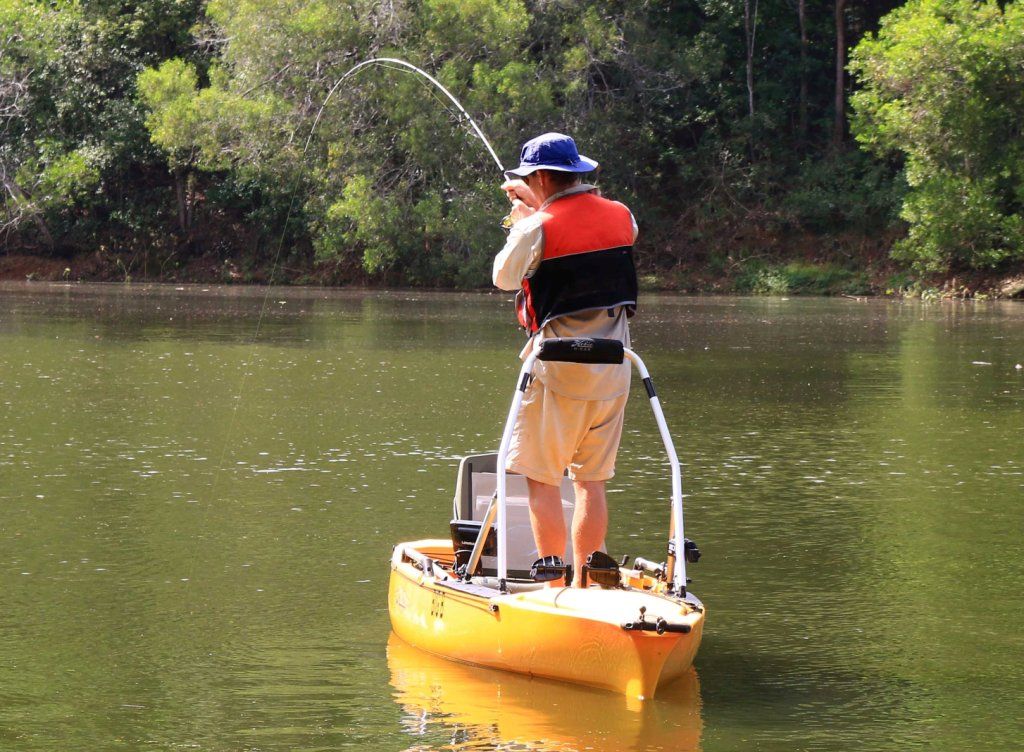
x=801, y=278
x=762, y=277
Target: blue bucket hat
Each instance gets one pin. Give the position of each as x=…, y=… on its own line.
x=551, y=151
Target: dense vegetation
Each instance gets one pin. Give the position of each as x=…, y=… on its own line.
x=160, y=135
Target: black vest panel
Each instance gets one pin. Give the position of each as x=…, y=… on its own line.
x=581, y=282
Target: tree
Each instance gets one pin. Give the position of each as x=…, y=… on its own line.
x=391, y=172
x=943, y=87
x=24, y=46
x=839, y=101
x=750, y=35
x=74, y=145
x=182, y=125
x=802, y=117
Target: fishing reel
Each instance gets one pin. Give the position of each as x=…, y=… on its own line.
x=690, y=551
x=658, y=568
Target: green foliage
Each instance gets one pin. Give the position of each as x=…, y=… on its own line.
x=72, y=140
x=761, y=279
x=186, y=123
x=957, y=219
x=391, y=171
x=214, y=125
x=943, y=86
x=67, y=179
x=370, y=221
x=797, y=277
x=475, y=28
x=845, y=190
x=168, y=92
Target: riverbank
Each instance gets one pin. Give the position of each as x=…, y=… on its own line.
x=752, y=275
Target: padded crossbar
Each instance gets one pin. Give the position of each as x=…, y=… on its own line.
x=581, y=350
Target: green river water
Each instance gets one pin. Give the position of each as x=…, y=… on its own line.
x=197, y=506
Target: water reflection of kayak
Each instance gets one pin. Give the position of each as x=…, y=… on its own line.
x=485, y=709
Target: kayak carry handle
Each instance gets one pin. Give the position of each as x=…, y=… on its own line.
x=660, y=626
x=581, y=350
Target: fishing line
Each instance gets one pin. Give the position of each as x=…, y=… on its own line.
x=385, y=62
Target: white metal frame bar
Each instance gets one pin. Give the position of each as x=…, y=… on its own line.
x=679, y=571
x=506, y=439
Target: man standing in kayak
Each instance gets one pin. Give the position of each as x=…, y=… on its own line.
x=569, y=256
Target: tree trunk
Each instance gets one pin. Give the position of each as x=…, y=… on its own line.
x=839, y=124
x=190, y=201
x=802, y=15
x=750, y=30
x=180, y=193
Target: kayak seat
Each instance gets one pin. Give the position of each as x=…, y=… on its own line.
x=475, y=484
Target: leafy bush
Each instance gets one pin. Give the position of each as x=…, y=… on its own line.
x=797, y=278
x=943, y=85
x=844, y=190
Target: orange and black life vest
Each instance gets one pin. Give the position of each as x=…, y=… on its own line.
x=587, y=262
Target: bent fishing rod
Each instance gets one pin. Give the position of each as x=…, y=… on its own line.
x=388, y=62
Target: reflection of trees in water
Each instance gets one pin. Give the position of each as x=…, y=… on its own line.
x=853, y=478
x=284, y=317
x=942, y=510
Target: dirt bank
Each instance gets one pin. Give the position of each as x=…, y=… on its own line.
x=822, y=275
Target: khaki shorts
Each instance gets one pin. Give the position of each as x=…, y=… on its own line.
x=553, y=433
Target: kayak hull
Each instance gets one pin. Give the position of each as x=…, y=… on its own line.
x=568, y=634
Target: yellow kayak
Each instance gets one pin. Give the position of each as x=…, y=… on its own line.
x=476, y=598
x=595, y=636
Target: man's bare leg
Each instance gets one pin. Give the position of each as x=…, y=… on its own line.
x=589, y=524
x=546, y=520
